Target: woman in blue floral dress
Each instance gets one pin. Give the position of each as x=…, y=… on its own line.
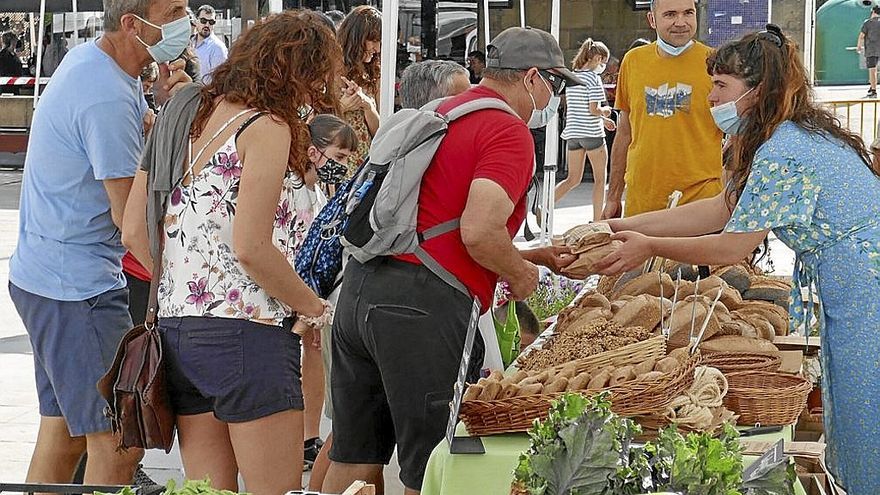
x=793, y=170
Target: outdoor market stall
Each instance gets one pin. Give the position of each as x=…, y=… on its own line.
x=694, y=351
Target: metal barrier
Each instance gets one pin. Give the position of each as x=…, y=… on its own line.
x=859, y=116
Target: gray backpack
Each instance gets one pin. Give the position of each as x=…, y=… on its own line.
x=383, y=202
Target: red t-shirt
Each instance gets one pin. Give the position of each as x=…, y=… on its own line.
x=133, y=267
x=488, y=144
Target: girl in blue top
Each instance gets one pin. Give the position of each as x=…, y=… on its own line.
x=793, y=170
x=586, y=118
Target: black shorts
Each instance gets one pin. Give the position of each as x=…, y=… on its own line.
x=398, y=336
x=871, y=62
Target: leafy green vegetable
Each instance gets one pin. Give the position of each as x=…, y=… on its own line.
x=779, y=480
x=698, y=464
x=577, y=450
x=125, y=491
x=194, y=487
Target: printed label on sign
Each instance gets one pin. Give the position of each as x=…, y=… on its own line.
x=458, y=388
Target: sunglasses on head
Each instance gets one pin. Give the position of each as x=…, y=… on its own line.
x=556, y=83
x=207, y=21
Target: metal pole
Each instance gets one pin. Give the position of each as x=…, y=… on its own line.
x=40, y=35
x=551, y=149
x=75, y=37
x=389, y=57
x=486, y=26
x=522, y=13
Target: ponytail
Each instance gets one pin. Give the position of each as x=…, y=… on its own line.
x=588, y=50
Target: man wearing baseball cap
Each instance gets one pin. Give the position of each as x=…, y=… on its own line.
x=399, y=330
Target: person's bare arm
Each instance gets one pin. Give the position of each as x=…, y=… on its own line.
x=485, y=236
x=599, y=110
x=265, y=145
x=134, y=223
x=698, y=218
x=117, y=192
x=718, y=249
x=860, y=44
x=371, y=113
x=616, y=183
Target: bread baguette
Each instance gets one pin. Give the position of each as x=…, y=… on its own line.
x=528, y=390
x=491, y=390
x=472, y=392
x=733, y=343
x=579, y=382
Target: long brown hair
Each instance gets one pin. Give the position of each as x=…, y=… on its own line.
x=589, y=49
x=282, y=64
x=362, y=24
x=768, y=61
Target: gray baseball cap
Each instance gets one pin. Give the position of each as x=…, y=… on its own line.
x=523, y=48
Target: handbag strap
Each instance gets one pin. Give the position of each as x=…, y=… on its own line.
x=153, y=300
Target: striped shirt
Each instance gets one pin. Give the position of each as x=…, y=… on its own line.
x=579, y=122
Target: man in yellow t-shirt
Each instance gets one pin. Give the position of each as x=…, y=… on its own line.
x=666, y=138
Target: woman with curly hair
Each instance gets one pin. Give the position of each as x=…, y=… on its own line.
x=228, y=291
x=795, y=171
x=360, y=37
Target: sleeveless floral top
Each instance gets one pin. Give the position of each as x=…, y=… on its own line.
x=201, y=275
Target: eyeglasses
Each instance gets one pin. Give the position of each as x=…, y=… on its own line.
x=556, y=83
x=207, y=21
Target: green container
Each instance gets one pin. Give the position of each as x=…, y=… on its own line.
x=838, y=23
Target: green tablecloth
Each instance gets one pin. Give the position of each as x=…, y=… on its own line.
x=492, y=473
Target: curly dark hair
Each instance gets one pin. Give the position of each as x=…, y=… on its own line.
x=768, y=61
x=362, y=24
x=284, y=63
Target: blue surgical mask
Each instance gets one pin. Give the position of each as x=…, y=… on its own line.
x=726, y=116
x=540, y=118
x=175, y=39
x=673, y=50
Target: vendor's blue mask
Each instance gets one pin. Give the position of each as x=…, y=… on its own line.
x=175, y=39
x=673, y=50
x=726, y=116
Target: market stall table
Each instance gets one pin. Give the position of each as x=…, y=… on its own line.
x=492, y=473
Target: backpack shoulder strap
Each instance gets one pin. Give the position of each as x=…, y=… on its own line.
x=485, y=103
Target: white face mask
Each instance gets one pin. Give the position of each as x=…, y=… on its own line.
x=175, y=39
x=600, y=68
x=673, y=50
x=540, y=118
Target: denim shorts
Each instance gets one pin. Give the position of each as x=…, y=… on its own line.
x=74, y=343
x=238, y=369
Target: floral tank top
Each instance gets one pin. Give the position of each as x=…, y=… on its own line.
x=201, y=276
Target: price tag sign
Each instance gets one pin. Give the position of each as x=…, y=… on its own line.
x=463, y=445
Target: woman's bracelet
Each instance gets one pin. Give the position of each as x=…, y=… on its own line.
x=321, y=320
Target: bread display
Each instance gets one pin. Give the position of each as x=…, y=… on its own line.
x=549, y=382
x=769, y=289
x=572, y=343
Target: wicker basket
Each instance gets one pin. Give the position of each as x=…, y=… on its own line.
x=771, y=399
x=635, y=397
x=634, y=353
x=735, y=362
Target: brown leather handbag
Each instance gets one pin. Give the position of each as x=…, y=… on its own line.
x=137, y=402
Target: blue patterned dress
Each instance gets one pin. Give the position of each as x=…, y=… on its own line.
x=821, y=200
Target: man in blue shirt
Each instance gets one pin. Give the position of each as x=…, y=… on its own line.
x=210, y=48
x=66, y=273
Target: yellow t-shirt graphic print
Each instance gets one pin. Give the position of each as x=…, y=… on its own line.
x=675, y=143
